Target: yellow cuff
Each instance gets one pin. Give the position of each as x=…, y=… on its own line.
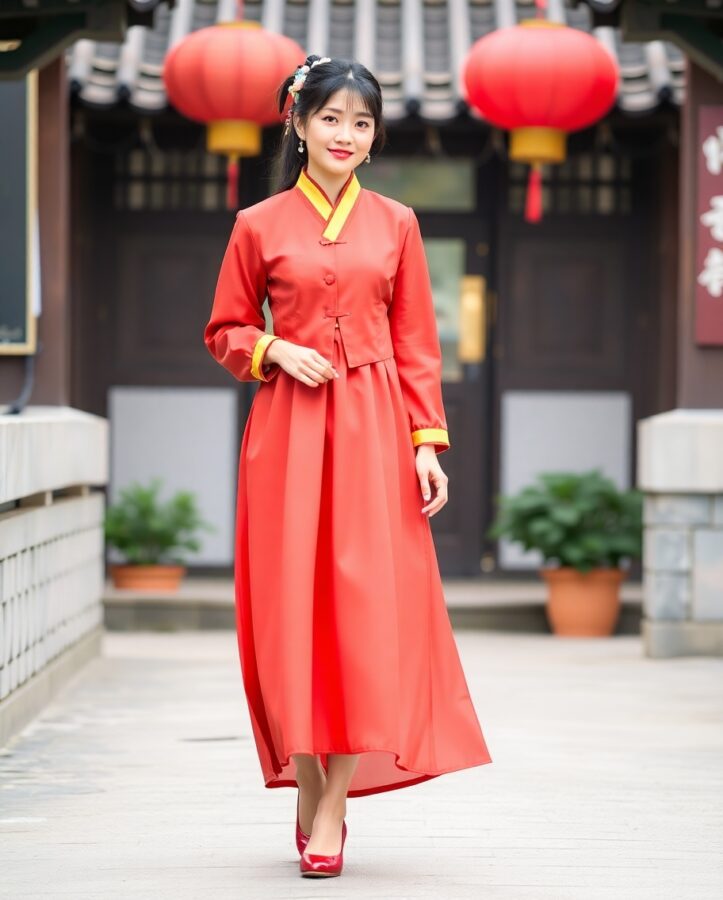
x=430, y=436
x=258, y=355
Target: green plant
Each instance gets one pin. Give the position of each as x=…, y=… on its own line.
x=149, y=532
x=579, y=520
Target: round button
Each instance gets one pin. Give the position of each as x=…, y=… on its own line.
x=329, y=279
x=337, y=325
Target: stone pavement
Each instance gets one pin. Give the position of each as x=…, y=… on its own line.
x=141, y=781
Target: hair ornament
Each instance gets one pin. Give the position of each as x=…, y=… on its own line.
x=294, y=88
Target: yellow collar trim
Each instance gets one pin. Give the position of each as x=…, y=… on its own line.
x=335, y=217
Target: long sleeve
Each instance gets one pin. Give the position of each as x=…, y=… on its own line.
x=235, y=334
x=417, y=351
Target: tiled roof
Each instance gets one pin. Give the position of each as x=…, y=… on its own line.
x=414, y=47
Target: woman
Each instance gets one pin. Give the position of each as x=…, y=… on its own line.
x=348, y=659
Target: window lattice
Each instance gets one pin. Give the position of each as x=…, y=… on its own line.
x=594, y=183
x=153, y=179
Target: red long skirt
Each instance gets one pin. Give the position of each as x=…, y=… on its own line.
x=344, y=636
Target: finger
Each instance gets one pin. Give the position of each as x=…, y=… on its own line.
x=311, y=372
x=424, y=485
x=436, y=478
x=431, y=504
x=304, y=379
x=440, y=483
x=438, y=502
x=308, y=375
x=324, y=365
x=329, y=371
x=324, y=368
x=435, y=506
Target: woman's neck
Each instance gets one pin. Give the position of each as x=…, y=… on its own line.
x=330, y=184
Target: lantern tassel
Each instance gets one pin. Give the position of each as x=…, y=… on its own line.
x=232, y=183
x=533, y=204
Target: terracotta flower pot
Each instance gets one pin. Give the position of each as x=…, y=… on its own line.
x=583, y=604
x=147, y=578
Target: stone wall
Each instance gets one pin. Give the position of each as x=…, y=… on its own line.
x=681, y=472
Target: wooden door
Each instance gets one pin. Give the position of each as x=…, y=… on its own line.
x=144, y=280
x=456, y=246
x=576, y=323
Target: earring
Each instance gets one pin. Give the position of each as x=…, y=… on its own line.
x=301, y=145
x=368, y=159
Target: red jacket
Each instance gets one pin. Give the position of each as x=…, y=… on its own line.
x=358, y=266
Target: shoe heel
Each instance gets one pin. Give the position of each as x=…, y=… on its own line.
x=319, y=865
x=302, y=839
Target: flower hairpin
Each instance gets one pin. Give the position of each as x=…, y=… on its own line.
x=294, y=88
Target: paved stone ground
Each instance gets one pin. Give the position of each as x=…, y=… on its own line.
x=141, y=781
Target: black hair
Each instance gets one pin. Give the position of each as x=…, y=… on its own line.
x=321, y=82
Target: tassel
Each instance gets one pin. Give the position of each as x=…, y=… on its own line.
x=232, y=183
x=533, y=204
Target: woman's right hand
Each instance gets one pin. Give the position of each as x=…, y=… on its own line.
x=303, y=363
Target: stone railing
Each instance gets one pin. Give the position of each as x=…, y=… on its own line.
x=680, y=469
x=51, y=553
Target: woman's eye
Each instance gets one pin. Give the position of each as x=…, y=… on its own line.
x=360, y=122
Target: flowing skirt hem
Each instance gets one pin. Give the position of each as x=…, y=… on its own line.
x=277, y=782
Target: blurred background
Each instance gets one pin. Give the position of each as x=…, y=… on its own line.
x=564, y=161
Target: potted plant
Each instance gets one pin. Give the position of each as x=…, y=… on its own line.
x=585, y=528
x=152, y=536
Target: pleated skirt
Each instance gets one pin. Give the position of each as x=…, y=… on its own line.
x=344, y=638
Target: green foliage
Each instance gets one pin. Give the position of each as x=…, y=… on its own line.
x=150, y=532
x=579, y=520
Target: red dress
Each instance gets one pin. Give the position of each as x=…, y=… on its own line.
x=344, y=637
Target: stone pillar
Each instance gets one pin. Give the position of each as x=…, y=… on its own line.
x=680, y=469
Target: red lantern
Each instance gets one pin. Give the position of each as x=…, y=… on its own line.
x=540, y=80
x=227, y=75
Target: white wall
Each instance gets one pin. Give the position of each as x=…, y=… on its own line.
x=189, y=438
x=561, y=431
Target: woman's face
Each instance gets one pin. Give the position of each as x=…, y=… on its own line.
x=341, y=124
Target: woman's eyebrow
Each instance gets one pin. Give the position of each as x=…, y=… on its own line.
x=357, y=113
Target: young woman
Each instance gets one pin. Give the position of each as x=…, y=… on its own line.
x=350, y=668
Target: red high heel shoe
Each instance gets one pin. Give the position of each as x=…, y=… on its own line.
x=320, y=865
x=302, y=839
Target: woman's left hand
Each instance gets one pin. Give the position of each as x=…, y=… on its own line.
x=429, y=470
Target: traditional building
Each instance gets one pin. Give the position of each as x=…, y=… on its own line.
x=579, y=335
x=573, y=305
